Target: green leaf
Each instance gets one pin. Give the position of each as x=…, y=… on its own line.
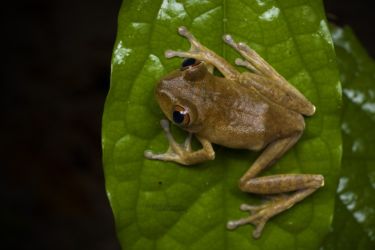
x=354, y=220
x=159, y=205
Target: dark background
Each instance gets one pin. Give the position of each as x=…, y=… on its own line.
x=55, y=78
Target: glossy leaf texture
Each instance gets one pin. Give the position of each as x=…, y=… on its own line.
x=354, y=219
x=159, y=205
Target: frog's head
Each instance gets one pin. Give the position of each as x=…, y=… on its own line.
x=178, y=93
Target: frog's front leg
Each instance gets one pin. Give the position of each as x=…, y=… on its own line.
x=254, y=61
x=182, y=154
x=200, y=52
x=301, y=185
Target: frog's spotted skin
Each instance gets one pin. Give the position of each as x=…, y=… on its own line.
x=240, y=110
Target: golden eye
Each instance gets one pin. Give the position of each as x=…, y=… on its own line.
x=181, y=116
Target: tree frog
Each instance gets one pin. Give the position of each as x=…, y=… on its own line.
x=252, y=110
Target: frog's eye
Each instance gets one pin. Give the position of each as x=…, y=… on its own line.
x=188, y=62
x=181, y=116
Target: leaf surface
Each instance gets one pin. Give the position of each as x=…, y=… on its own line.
x=354, y=219
x=159, y=205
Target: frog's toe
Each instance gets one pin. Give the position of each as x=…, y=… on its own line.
x=260, y=214
x=148, y=154
x=240, y=62
x=183, y=54
x=243, y=46
x=258, y=223
x=232, y=224
x=164, y=123
x=170, y=53
x=228, y=39
x=187, y=143
x=152, y=156
x=168, y=156
x=250, y=208
x=244, y=63
x=183, y=31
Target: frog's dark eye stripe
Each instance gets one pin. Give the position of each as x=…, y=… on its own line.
x=189, y=62
x=180, y=116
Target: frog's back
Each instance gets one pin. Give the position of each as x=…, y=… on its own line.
x=240, y=117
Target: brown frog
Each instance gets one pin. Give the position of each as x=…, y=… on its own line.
x=251, y=110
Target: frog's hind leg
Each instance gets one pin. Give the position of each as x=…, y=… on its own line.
x=254, y=62
x=268, y=81
x=200, y=52
x=289, y=188
x=259, y=215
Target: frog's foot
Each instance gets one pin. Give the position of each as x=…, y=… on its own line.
x=196, y=51
x=257, y=218
x=259, y=215
x=254, y=62
x=175, y=150
x=200, y=52
x=182, y=154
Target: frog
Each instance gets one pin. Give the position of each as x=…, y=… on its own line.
x=257, y=109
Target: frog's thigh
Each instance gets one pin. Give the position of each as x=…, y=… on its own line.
x=272, y=153
x=277, y=183
x=282, y=183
